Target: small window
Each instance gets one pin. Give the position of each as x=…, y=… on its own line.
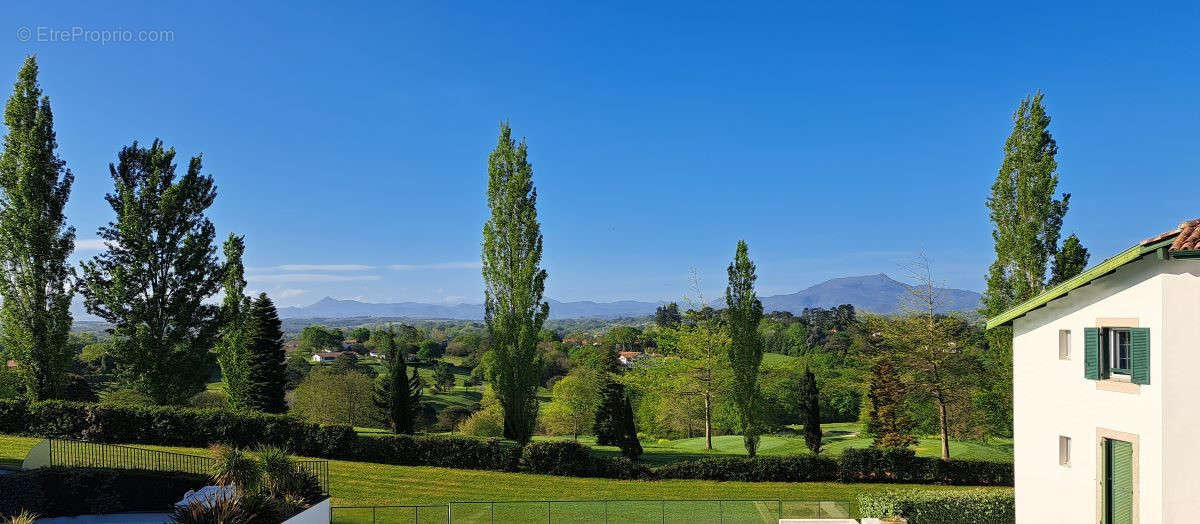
x=1064, y=344
x=1116, y=350
x=1064, y=451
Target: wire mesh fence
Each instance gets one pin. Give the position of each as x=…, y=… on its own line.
x=602, y=511
x=95, y=455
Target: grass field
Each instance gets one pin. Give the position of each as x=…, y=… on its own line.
x=367, y=484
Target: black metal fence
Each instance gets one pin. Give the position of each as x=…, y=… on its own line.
x=95, y=455
x=601, y=511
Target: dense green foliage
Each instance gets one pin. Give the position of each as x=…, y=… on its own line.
x=745, y=344
x=811, y=398
x=1070, y=260
x=514, y=282
x=888, y=420
x=941, y=506
x=233, y=345
x=159, y=268
x=61, y=491
x=394, y=395
x=902, y=465
x=267, y=380
x=35, y=241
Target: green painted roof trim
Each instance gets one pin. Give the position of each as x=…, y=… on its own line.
x=1103, y=268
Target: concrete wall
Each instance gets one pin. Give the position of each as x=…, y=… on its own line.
x=316, y=514
x=1181, y=391
x=1052, y=398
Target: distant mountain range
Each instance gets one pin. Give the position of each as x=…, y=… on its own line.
x=874, y=293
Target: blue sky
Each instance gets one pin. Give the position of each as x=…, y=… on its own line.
x=349, y=143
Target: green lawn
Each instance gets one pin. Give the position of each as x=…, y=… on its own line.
x=368, y=484
x=837, y=438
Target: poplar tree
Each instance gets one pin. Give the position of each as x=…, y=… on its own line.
x=266, y=381
x=159, y=268
x=513, y=285
x=35, y=278
x=746, y=345
x=1071, y=260
x=1026, y=224
x=810, y=396
x=233, y=347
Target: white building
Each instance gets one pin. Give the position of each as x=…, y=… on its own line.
x=1106, y=408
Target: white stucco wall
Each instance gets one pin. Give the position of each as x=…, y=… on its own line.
x=1051, y=397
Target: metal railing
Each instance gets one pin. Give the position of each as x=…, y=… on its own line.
x=95, y=455
x=599, y=511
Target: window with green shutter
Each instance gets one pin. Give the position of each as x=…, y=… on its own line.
x=1118, y=482
x=1091, y=353
x=1139, y=349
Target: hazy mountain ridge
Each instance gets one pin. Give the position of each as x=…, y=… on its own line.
x=873, y=293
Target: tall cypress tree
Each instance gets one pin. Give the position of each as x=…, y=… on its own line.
x=394, y=395
x=160, y=266
x=889, y=422
x=514, y=282
x=811, y=398
x=614, y=424
x=746, y=345
x=266, y=382
x=234, y=346
x=35, y=241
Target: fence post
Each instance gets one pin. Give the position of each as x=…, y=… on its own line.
x=780, y=515
x=493, y=512
x=606, y=512
x=372, y=514
x=664, y=511
x=721, y=509
x=449, y=513
x=547, y=512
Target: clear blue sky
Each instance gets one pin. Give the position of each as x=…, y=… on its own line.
x=835, y=140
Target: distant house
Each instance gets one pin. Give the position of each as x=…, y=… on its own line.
x=291, y=345
x=627, y=358
x=326, y=356
x=11, y=364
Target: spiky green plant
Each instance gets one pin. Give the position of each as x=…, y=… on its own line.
x=234, y=467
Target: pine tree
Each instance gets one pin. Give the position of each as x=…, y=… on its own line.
x=35, y=281
x=514, y=282
x=746, y=347
x=630, y=445
x=811, y=399
x=395, y=395
x=267, y=377
x=614, y=424
x=1070, y=260
x=160, y=267
x=889, y=423
x=233, y=348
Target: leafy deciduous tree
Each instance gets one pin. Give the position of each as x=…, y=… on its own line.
x=35, y=278
x=233, y=345
x=746, y=347
x=514, y=282
x=158, y=269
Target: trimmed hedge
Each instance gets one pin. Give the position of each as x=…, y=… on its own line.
x=559, y=457
x=447, y=451
x=902, y=465
x=171, y=426
x=59, y=491
x=941, y=506
x=800, y=468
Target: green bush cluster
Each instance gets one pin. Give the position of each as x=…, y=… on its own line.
x=941, y=506
x=171, y=426
x=902, y=465
x=60, y=491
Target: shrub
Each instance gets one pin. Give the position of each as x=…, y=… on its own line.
x=902, y=465
x=61, y=491
x=800, y=468
x=621, y=468
x=558, y=457
x=941, y=506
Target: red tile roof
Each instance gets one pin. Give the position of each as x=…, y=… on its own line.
x=1189, y=236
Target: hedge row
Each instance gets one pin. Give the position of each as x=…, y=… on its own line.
x=54, y=492
x=202, y=427
x=941, y=506
x=170, y=426
x=902, y=465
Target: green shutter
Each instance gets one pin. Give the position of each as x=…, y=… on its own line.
x=1120, y=482
x=1139, y=355
x=1091, y=353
